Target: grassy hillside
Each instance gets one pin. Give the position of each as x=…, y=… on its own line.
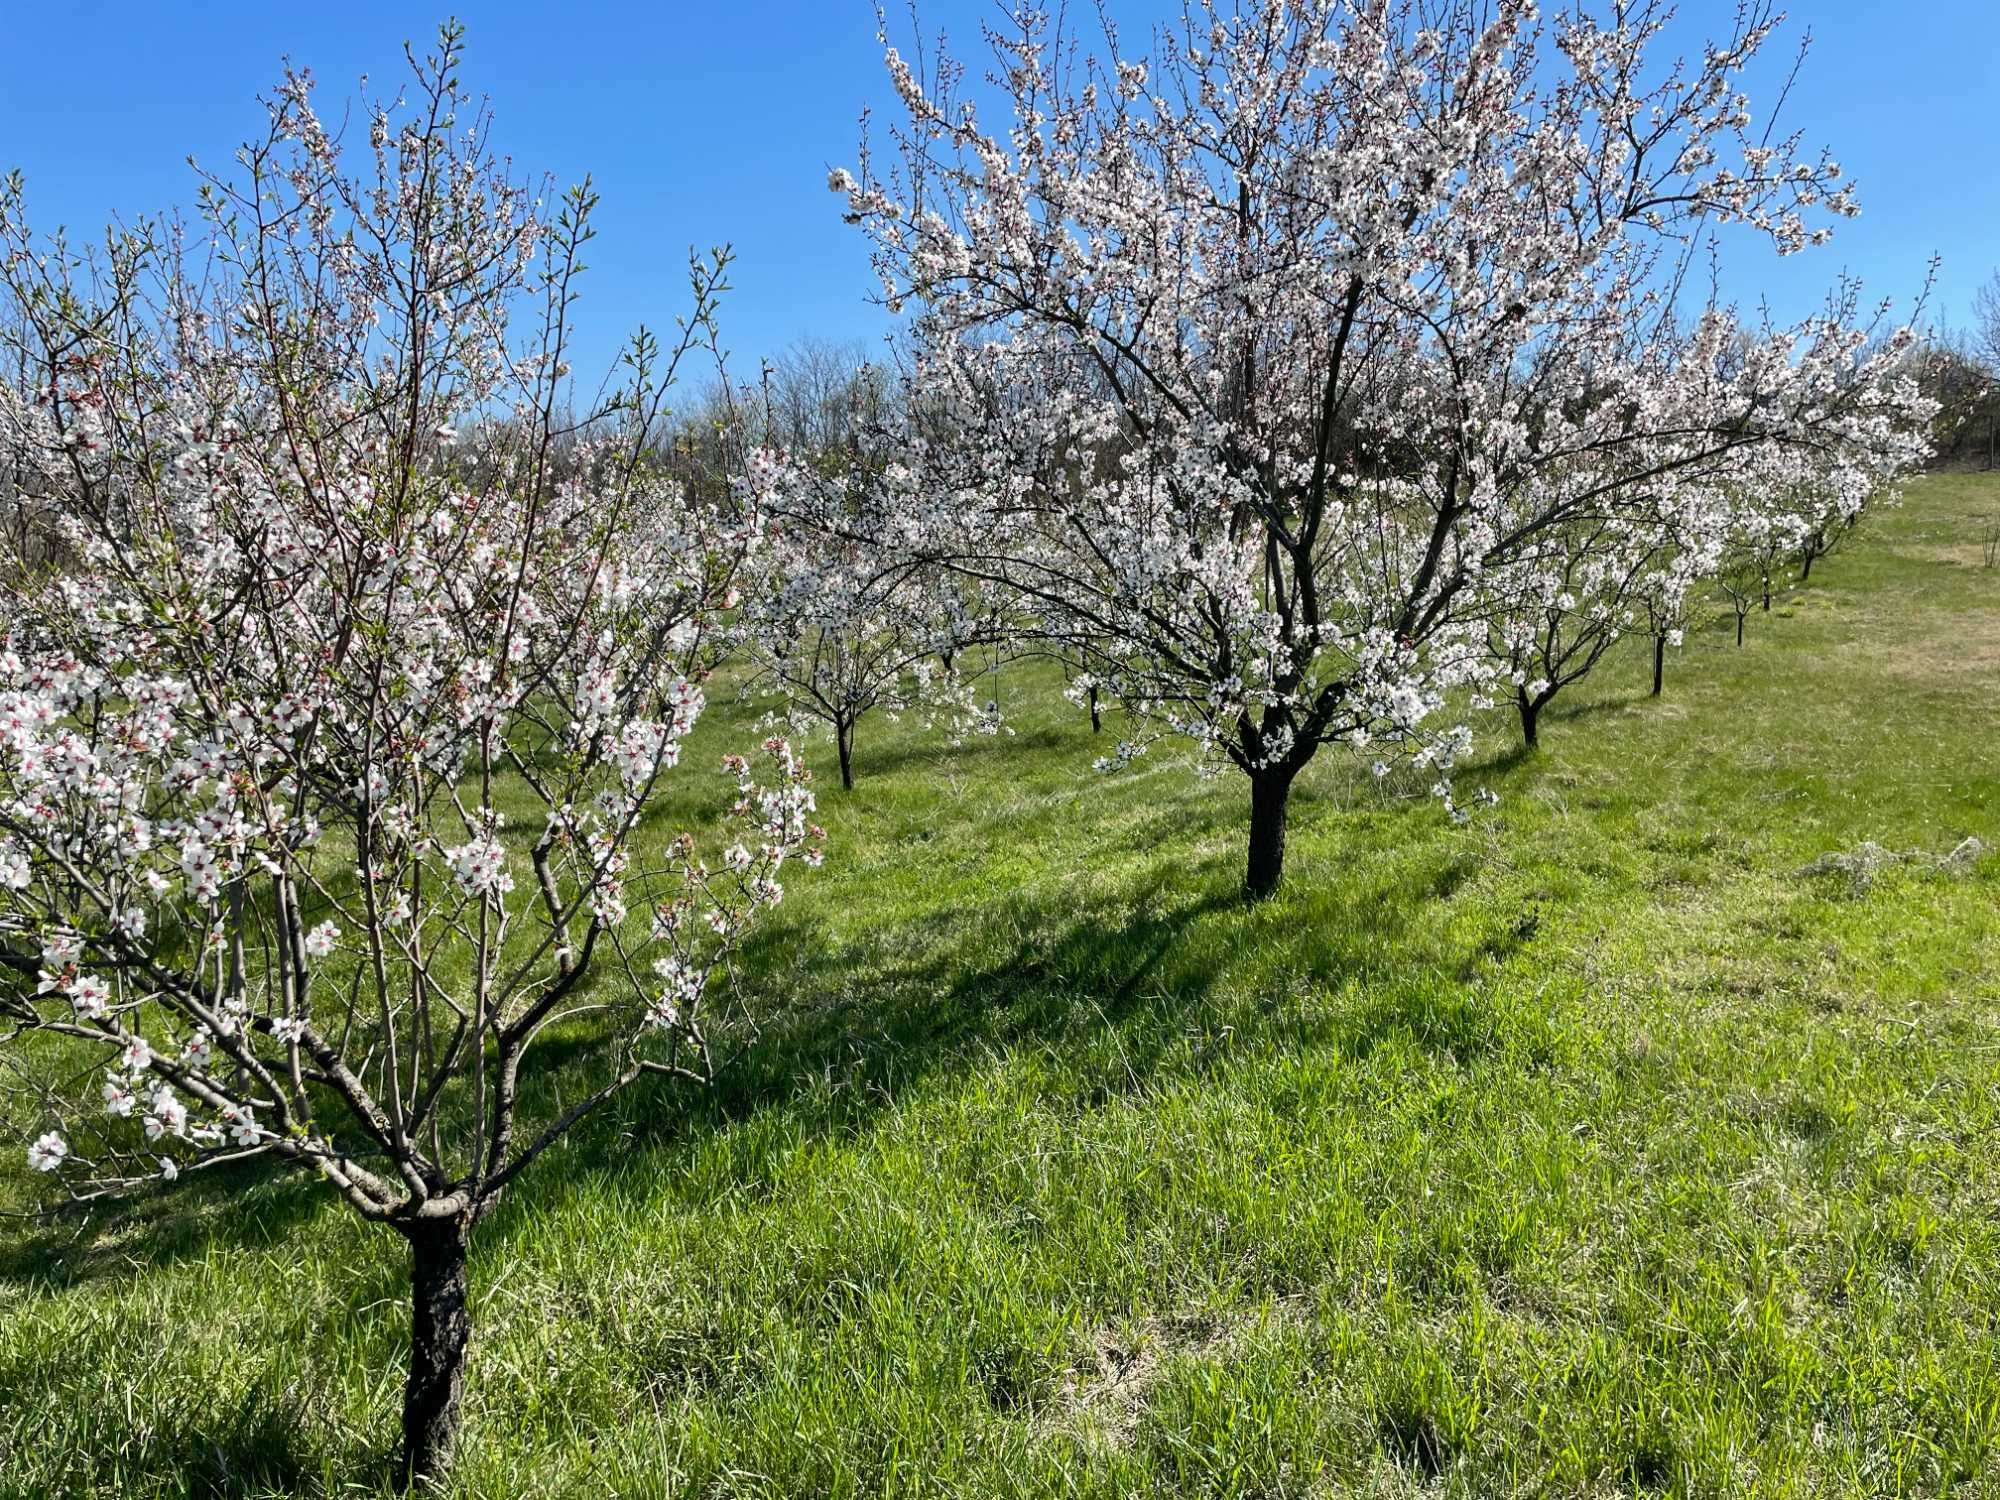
x=1591, y=1149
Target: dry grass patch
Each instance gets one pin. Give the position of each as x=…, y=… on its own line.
x=1102, y=1398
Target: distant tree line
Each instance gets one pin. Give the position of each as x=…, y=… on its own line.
x=1959, y=369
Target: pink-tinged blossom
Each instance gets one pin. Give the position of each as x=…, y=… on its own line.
x=645, y=748
x=47, y=1152
x=240, y=1120
x=481, y=867
x=90, y=996
x=166, y=1115
x=201, y=870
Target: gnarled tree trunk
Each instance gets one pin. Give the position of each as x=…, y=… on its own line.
x=440, y=1329
x=1270, y=795
x=843, y=734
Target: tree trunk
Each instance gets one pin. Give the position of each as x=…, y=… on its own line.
x=1270, y=792
x=1767, y=593
x=1096, y=719
x=440, y=1328
x=1805, y=573
x=843, y=734
x=1739, y=625
x=1531, y=714
x=1659, y=663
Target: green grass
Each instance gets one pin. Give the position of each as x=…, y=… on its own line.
x=1592, y=1149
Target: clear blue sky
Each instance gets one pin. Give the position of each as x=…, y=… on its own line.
x=710, y=120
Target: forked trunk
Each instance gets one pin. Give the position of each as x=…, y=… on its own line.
x=440, y=1329
x=1659, y=664
x=1531, y=715
x=1270, y=793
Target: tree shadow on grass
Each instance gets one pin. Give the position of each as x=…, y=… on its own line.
x=1044, y=975
x=260, y=1448
x=245, y=1203
x=953, y=989
x=1117, y=992
x=1131, y=965
x=927, y=753
x=1559, y=716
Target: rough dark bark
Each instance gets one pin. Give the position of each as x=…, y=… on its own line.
x=1270, y=795
x=843, y=734
x=1805, y=572
x=440, y=1329
x=1659, y=664
x=1531, y=715
x=1739, y=626
x=1096, y=718
x=1767, y=593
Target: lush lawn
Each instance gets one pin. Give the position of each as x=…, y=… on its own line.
x=1590, y=1149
